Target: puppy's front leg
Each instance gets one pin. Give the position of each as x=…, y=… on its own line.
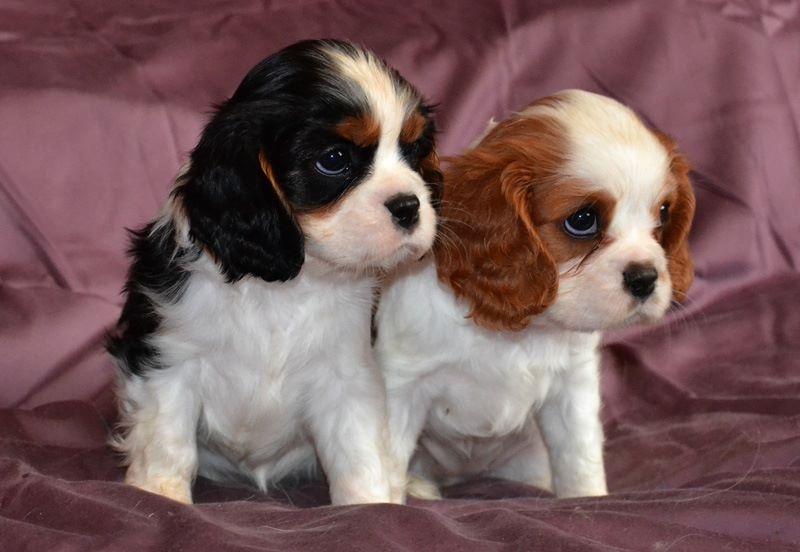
x=569, y=421
x=408, y=409
x=347, y=419
x=160, y=443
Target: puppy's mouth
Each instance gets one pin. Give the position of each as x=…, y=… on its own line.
x=635, y=318
x=644, y=312
x=618, y=314
x=404, y=252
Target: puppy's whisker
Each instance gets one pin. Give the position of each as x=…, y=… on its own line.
x=449, y=241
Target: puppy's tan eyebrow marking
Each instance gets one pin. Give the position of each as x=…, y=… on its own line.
x=413, y=127
x=363, y=130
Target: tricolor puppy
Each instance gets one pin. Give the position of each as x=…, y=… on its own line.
x=244, y=344
x=568, y=218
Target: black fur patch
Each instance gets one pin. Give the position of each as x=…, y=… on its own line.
x=157, y=270
x=287, y=108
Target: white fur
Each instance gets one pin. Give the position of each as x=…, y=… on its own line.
x=473, y=397
x=466, y=401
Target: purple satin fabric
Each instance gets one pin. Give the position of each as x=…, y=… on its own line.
x=100, y=103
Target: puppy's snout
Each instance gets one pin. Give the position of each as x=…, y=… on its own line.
x=404, y=209
x=640, y=280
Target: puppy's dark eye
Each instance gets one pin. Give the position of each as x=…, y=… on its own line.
x=663, y=214
x=333, y=162
x=583, y=224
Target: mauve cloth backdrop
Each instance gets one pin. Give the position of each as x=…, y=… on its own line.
x=100, y=103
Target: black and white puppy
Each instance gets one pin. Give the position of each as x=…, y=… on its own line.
x=244, y=343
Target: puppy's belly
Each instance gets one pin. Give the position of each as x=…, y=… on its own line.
x=476, y=431
x=486, y=415
x=481, y=416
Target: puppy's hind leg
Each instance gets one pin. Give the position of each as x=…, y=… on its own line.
x=159, y=421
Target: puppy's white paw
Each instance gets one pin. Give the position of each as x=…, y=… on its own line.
x=359, y=492
x=177, y=489
x=592, y=486
x=422, y=488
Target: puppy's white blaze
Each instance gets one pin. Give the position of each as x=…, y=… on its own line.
x=634, y=217
x=389, y=101
x=610, y=148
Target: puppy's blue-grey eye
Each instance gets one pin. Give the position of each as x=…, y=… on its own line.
x=663, y=214
x=583, y=224
x=333, y=162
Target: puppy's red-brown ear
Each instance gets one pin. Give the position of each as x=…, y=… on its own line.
x=489, y=251
x=675, y=238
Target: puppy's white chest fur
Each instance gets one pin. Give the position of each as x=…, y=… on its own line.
x=519, y=375
x=483, y=408
x=253, y=353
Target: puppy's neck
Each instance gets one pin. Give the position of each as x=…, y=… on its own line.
x=314, y=267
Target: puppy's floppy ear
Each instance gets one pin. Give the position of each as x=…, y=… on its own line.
x=235, y=212
x=675, y=238
x=490, y=252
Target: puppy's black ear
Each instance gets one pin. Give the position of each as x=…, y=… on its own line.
x=235, y=212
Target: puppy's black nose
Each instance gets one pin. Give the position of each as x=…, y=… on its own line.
x=404, y=209
x=640, y=280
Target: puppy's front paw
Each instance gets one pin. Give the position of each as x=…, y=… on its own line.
x=589, y=486
x=340, y=498
x=359, y=491
x=422, y=488
x=177, y=489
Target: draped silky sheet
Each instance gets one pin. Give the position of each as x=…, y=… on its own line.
x=99, y=104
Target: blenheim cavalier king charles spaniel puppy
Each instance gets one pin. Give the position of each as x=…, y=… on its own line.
x=244, y=345
x=569, y=218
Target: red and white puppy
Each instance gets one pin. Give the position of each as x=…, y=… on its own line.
x=244, y=345
x=566, y=219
